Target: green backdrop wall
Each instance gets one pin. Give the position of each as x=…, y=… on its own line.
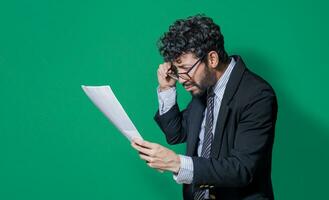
x=54, y=144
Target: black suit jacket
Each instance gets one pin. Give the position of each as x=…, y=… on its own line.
x=239, y=166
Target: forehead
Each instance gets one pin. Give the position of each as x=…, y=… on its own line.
x=186, y=58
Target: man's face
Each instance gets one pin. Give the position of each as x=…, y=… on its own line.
x=202, y=77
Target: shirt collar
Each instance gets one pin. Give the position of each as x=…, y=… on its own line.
x=220, y=86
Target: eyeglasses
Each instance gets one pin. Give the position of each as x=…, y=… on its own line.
x=173, y=71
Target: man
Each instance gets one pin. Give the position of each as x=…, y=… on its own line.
x=228, y=126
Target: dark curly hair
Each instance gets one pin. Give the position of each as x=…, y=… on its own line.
x=197, y=34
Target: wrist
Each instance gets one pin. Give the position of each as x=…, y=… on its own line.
x=164, y=88
x=177, y=164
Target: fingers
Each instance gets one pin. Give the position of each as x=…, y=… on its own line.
x=144, y=150
x=144, y=143
x=146, y=158
x=155, y=155
x=163, y=69
x=147, y=150
x=165, y=81
x=153, y=162
x=137, y=141
x=155, y=165
x=158, y=169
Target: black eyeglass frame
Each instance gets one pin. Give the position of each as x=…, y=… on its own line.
x=173, y=72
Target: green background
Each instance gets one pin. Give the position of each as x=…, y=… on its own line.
x=55, y=144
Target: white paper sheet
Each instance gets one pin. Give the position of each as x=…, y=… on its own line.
x=105, y=100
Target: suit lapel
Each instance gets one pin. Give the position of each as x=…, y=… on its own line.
x=220, y=124
x=196, y=118
x=231, y=87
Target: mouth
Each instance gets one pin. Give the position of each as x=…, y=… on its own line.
x=188, y=87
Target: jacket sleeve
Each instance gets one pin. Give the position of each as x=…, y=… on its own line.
x=174, y=124
x=253, y=142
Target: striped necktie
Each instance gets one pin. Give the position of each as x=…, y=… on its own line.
x=208, y=137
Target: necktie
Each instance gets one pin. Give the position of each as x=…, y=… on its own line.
x=208, y=137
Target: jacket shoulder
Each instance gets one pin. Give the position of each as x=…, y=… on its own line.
x=254, y=86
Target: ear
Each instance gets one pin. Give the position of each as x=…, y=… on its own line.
x=213, y=59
